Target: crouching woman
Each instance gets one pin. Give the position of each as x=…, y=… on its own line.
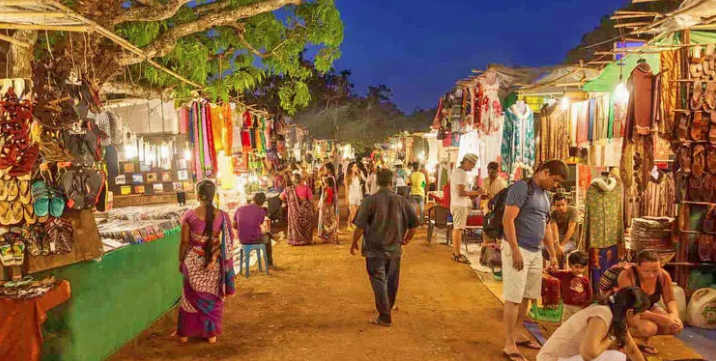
x=600, y=331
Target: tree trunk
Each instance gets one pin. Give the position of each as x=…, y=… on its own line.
x=21, y=59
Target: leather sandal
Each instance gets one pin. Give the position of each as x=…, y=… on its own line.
x=12, y=189
x=710, y=97
x=681, y=182
x=683, y=157
x=699, y=127
x=695, y=188
x=699, y=160
x=682, y=126
x=709, y=57
x=29, y=214
x=707, y=189
x=697, y=101
x=712, y=135
x=711, y=160
x=696, y=67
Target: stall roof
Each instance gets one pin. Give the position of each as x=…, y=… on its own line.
x=609, y=78
x=690, y=13
x=560, y=79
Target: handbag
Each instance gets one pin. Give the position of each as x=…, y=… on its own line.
x=491, y=256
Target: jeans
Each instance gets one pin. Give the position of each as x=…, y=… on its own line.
x=266, y=239
x=384, y=278
x=420, y=200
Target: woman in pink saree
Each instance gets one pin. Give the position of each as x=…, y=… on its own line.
x=298, y=197
x=206, y=261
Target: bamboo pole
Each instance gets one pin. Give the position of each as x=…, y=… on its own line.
x=12, y=40
x=18, y=3
x=72, y=28
x=631, y=25
x=630, y=16
x=31, y=14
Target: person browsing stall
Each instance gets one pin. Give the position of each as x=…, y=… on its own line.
x=251, y=223
x=460, y=202
x=564, y=224
x=494, y=183
x=417, y=184
x=526, y=229
x=386, y=222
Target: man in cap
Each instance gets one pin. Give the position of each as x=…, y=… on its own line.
x=400, y=177
x=460, y=202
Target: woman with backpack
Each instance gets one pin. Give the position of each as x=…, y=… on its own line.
x=599, y=332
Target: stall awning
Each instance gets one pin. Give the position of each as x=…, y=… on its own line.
x=560, y=79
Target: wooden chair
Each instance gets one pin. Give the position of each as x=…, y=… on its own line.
x=438, y=218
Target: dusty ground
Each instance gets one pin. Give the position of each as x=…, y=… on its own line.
x=316, y=306
x=317, y=303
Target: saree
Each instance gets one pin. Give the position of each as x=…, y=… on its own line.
x=300, y=219
x=327, y=221
x=201, y=307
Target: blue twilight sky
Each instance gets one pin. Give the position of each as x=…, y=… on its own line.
x=419, y=48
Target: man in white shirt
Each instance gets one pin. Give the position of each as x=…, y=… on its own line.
x=460, y=202
x=494, y=183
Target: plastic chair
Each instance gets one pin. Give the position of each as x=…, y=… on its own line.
x=438, y=218
x=245, y=256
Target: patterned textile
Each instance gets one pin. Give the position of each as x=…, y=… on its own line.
x=300, y=219
x=600, y=261
x=518, y=139
x=660, y=196
x=601, y=117
x=554, y=131
x=673, y=63
x=603, y=217
x=581, y=110
x=641, y=95
x=490, y=107
x=327, y=222
x=201, y=305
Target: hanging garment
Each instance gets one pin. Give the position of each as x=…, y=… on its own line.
x=660, y=196
x=518, y=146
x=574, y=110
x=267, y=134
x=619, y=111
x=590, y=123
x=582, y=117
x=216, y=112
x=490, y=106
x=601, y=117
x=668, y=91
x=603, y=217
x=227, y=131
x=473, y=121
x=641, y=96
x=554, y=133
x=437, y=119
x=183, y=120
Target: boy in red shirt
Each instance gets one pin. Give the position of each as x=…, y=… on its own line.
x=575, y=288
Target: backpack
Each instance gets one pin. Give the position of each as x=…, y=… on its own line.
x=610, y=279
x=493, y=220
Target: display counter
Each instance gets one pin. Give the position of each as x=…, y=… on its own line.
x=113, y=300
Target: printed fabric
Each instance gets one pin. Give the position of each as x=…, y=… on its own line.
x=554, y=129
x=518, y=138
x=641, y=96
x=601, y=117
x=490, y=107
x=603, y=215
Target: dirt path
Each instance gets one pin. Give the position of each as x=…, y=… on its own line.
x=316, y=305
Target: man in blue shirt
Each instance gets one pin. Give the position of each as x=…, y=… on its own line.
x=525, y=221
x=386, y=222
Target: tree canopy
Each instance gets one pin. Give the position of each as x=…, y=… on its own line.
x=228, y=46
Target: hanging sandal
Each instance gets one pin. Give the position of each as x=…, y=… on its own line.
x=6, y=256
x=711, y=160
x=710, y=97
x=17, y=212
x=682, y=129
x=29, y=213
x=25, y=191
x=32, y=243
x=695, y=188
x=707, y=187
x=683, y=157
x=699, y=160
x=697, y=97
x=699, y=127
x=12, y=189
x=696, y=67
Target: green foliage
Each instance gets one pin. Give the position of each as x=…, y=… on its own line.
x=222, y=62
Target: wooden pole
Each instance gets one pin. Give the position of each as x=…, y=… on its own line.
x=72, y=28
x=12, y=40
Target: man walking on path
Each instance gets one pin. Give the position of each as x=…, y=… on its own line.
x=525, y=225
x=460, y=202
x=417, y=184
x=385, y=221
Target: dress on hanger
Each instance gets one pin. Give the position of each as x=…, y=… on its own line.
x=490, y=107
x=518, y=138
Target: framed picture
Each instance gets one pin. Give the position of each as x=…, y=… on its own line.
x=183, y=175
x=120, y=179
x=137, y=178
x=181, y=164
x=151, y=177
x=166, y=177
x=158, y=187
x=128, y=167
x=139, y=189
x=145, y=167
x=125, y=190
x=177, y=186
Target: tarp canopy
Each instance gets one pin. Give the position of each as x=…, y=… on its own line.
x=609, y=78
x=689, y=14
x=560, y=79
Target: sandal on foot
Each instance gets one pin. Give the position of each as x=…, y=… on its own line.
x=376, y=321
x=460, y=259
x=529, y=344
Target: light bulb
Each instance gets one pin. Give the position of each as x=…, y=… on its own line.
x=564, y=104
x=621, y=94
x=164, y=151
x=130, y=151
x=187, y=154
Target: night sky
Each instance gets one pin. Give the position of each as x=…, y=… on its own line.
x=419, y=48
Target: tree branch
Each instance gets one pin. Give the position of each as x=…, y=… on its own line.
x=132, y=90
x=143, y=14
x=167, y=41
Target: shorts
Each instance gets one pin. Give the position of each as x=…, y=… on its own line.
x=355, y=199
x=459, y=217
x=527, y=283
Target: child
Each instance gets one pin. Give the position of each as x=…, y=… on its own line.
x=575, y=288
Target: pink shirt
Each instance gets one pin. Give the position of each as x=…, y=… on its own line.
x=302, y=191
